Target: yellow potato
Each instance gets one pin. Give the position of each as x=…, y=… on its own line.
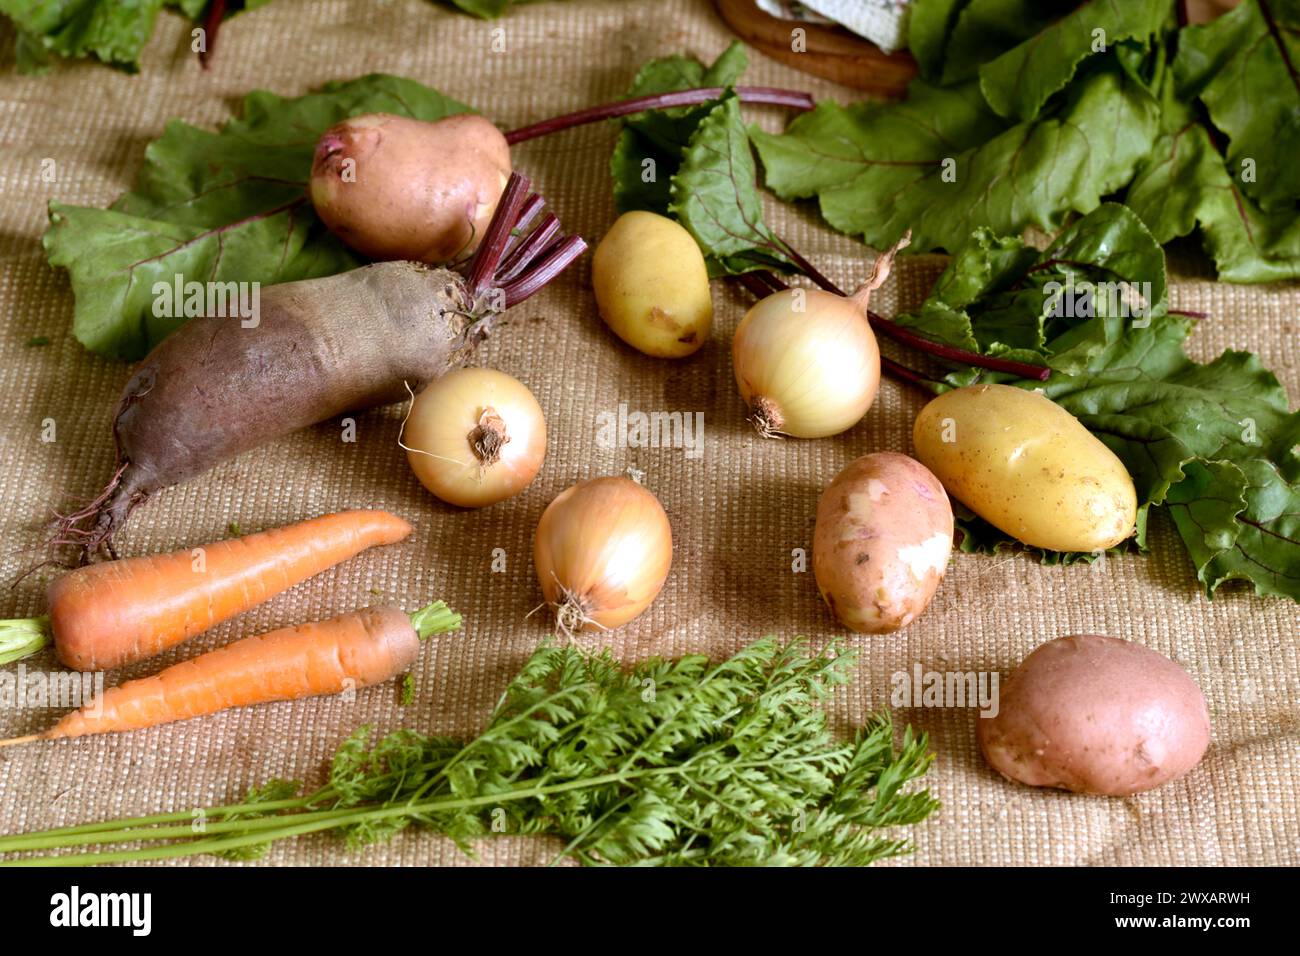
x=1026, y=465
x=652, y=287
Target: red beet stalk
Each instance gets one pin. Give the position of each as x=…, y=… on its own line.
x=762, y=95
x=516, y=261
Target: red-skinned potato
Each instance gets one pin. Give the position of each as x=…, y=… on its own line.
x=881, y=546
x=1096, y=715
x=392, y=187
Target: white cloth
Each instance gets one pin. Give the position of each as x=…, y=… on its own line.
x=883, y=22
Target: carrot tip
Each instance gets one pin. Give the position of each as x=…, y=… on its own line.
x=15, y=741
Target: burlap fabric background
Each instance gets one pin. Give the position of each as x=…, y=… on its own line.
x=737, y=511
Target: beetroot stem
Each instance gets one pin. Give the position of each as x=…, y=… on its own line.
x=905, y=374
x=510, y=258
x=498, y=235
x=533, y=205
x=952, y=354
x=528, y=250
x=763, y=95
x=756, y=286
x=773, y=282
x=807, y=268
x=556, y=260
x=211, y=24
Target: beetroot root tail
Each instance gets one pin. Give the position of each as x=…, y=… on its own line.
x=91, y=528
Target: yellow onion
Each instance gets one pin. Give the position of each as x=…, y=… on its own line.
x=602, y=553
x=806, y=361
x=475, y=436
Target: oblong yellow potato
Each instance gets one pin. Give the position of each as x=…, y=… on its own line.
x=1027, y=466
x=652, y=286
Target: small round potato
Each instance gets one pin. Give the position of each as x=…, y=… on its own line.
x=1096, y=715
x=881, y=546
x=652, y=287
x=1025, y=464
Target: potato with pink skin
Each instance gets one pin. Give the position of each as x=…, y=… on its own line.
x=392, y=187
x=1096, y=715
x=882, y=541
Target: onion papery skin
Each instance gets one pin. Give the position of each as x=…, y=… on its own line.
x=443, y=420
x=602, y=552
x=807, y=372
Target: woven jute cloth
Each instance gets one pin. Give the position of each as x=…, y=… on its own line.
x=738, y=510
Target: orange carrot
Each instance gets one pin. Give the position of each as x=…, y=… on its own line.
x=327, y=657
x=114, y=613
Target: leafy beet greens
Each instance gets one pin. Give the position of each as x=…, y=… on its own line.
x=1031, y=114
x=696, y=165
x=115, y=32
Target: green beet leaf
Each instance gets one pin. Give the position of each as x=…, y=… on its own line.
x=929, y=24
x=642, y=173
x=951, y=39
x=650, y=146
x=217, y=206
x=485, y=9
x=108, y=30
x=671, y=130
x=1244, y=66
x=112, y=32
x=1029, y=112
x=695, y=164
x=1241, y=520
x=943, y=164
x=115, y=31
x=715, y=195
x=1019, y=82
x=1185, y=184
